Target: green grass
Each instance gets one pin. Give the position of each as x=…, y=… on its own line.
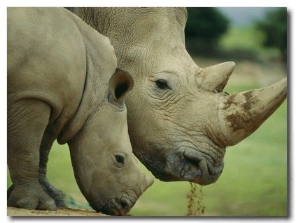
x=253, y=183
x=242, y=38
x=248, y=40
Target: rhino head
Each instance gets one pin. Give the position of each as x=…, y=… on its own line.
x=180, y=120
x=192, y=121
x=105, y=168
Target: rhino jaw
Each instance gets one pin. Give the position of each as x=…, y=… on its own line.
x=191, y=165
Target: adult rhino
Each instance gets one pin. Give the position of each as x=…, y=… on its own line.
x=60, y=86
x=180, y=122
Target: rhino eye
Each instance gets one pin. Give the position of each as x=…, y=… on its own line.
x=119, y=159
x=162, y=84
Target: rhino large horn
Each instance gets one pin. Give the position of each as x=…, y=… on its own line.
x=242, y=113
x=214, y=78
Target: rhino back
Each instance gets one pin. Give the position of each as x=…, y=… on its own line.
x=51, y=58
x=45, y=61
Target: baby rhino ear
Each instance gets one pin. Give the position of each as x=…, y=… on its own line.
x=120, y=84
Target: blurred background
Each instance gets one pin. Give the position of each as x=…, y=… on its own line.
x=256, y=34
x=254, y=181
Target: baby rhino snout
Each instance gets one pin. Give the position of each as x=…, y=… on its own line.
x=149, y=180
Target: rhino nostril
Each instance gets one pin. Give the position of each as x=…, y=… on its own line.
x=125, y=204
x=193, y=162
x=192, y=158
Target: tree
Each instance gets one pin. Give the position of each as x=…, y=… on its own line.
x=204, y=28
x=274, y=27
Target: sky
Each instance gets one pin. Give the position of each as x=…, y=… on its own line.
x=244, y=16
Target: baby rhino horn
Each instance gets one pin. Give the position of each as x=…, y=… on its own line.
x=242, y=113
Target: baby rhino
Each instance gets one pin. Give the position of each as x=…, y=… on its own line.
x=62, y=83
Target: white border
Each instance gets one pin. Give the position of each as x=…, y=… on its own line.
x=294, y=76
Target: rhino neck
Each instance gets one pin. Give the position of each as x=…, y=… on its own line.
x=101, y=63
x=92, y=98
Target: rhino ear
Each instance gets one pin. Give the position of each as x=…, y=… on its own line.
x=120, y=84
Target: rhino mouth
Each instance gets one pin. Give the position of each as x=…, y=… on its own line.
x=191, y=165
x=115, y=206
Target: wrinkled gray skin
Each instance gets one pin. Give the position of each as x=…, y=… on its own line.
x=180, y=122
x=63, y=84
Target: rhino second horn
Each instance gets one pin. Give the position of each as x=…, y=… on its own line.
x=242, y=113
x=214, y=78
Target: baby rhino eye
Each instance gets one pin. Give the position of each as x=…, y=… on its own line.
x=162, y=84
x=119, y=159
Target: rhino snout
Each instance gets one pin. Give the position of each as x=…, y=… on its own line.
x=116, y=206
x=192, y=165
x=121, y=205
x=149, y=180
